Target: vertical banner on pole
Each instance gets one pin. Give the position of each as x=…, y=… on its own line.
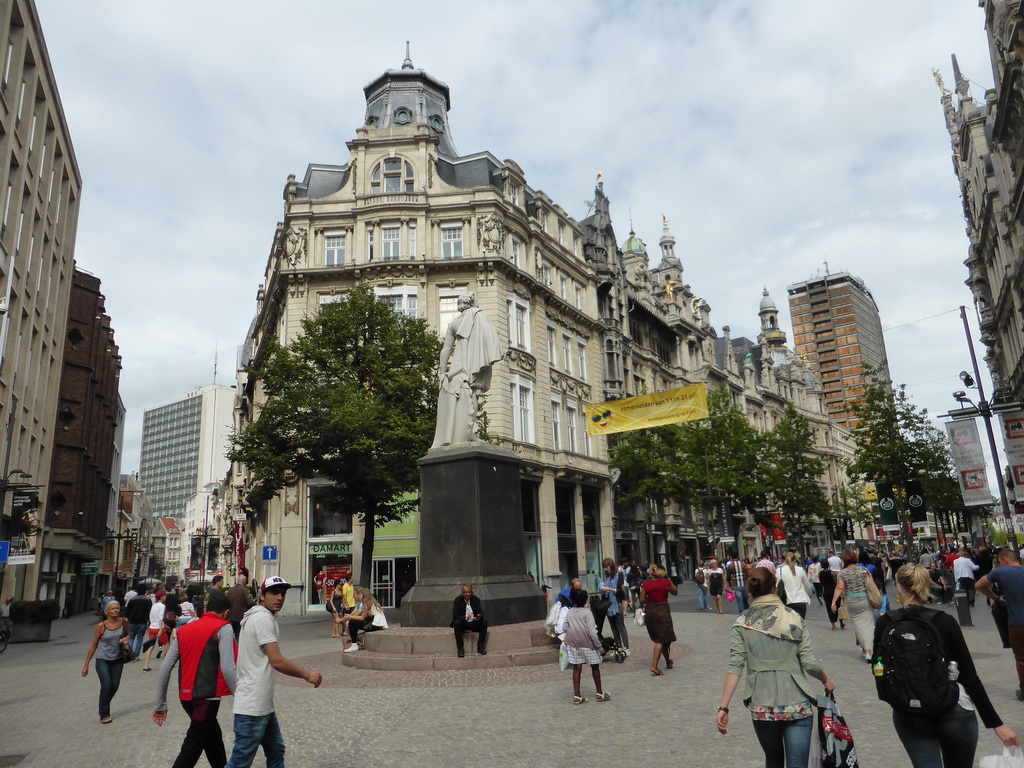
x=1013, y=444
x=969, y=459
x=887, y=506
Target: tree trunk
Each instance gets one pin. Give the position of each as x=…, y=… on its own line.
x=366, y=565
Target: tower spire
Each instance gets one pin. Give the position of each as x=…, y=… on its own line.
x=407, y=64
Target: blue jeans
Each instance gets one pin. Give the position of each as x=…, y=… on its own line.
x=253, y=731
x=702, y=596
x=934, y=743
x=136, y=637
x=786, y=743
x=741, y=598
x=109, y=673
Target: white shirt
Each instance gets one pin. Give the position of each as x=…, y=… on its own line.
x=798, y=586
x=254, y=693
x=835, y=563
x=156, y=615
x=129, y=595
x=964, y=568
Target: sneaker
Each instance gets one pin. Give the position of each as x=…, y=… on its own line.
x=1019, y=695
x=626, y=650
x=351, y=649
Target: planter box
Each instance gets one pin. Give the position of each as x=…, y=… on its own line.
x=31, y=631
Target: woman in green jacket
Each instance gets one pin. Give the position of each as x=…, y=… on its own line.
x=771, y=642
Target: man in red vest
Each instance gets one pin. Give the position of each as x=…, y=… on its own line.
x=207, y=650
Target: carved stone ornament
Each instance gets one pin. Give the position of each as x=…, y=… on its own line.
x=295, y=246
x=291, y=500
x=296, y=286
x=570, y=386
x=522, y=359
x=490, y=235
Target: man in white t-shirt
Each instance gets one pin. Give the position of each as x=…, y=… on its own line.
x=835, y=562
x=259, y=655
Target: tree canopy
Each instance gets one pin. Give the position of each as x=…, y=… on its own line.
x=792, y=473
x=351, y=400
x=724, y=455
x=896, y=442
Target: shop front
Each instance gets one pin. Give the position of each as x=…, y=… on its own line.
x=330, y=561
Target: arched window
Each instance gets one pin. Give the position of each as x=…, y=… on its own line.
x=392, y=175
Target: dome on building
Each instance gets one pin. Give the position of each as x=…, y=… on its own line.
x=767, y=303
x=633, y=244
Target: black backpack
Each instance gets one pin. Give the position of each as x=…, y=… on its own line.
x=916, y=675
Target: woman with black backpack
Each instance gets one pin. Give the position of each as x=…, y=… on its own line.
x=924, y=671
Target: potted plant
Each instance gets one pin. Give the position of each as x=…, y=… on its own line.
x=32, y=620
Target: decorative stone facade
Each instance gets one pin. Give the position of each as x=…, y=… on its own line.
x=988, y=158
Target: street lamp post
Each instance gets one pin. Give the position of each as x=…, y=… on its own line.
x=984, y=408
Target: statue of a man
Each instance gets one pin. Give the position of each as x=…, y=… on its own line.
x=471, y=347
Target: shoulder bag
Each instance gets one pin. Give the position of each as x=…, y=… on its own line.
x=126, y=650
x=874, y=596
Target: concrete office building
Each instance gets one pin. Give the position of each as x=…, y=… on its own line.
x=40, y=189
x=837, y=330
x=184, y=447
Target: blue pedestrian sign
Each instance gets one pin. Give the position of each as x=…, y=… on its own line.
x=5, y=551
x=270, y=554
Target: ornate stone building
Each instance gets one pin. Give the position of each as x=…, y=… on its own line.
x=422, y=224
x=658, y=335
x=584, y=321
x=988, y=158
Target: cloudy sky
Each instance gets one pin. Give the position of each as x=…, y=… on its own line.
x=775, y=136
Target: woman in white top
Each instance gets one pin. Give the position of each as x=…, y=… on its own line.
x=798, y=587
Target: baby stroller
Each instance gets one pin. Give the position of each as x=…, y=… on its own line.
x=613, y=650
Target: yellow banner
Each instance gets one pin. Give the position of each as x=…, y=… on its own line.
x=669, y=407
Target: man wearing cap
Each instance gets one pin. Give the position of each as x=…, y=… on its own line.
x=259, y=655
x=206, y=648
x=241, y=600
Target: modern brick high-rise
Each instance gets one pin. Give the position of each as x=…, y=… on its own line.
x=837, y=330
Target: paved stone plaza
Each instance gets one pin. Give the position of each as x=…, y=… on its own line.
x=502, y=717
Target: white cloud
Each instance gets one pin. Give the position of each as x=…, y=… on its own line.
x=775, y=136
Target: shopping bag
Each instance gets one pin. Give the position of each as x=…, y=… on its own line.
x=885, y=604
x=1012, y=757
x=834, y=737
x=563, y=659
x=639, y=617
x=730, y=595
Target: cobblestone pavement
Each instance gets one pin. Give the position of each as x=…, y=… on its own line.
x=503, y=717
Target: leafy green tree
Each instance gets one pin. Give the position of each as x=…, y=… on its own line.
x=683, y=462
x=894, y=439
x=792, y=473
x=353, y=399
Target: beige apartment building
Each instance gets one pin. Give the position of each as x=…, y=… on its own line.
x=40, y=188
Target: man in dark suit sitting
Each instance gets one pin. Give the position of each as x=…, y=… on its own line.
x=468, y=616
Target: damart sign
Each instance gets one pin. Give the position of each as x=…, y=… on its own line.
x=330, y=548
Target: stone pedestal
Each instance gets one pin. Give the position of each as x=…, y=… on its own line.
x=471, y=531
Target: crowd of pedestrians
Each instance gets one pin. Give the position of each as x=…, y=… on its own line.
x=936, y=698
